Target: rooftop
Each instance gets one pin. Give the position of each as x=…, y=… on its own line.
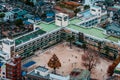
x=86, y=14
x=28, y=64
x=32, y=73
x=113, y=26
x=90, y=31
x=43, y=69
x=73, y=21
x=47, y=27
x=29, y=36
x=115, y=39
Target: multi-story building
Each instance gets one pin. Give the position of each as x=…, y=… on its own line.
x=50, y=34
x=92, y=17
x=13, y=69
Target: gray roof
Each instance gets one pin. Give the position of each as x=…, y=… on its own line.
x=114, y=27
x=43, y=69
x=37, y=75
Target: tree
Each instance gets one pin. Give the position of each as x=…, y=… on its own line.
x=70, y=39
x=18, y=22
x=84, y=46
x=2, y=15
x=86, y=7
x=111, y=68
x=99, y=46
x=90, y=59
x=54, y=63
x=76, y=11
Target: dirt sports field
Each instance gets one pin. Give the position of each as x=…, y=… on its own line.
x=70, y=58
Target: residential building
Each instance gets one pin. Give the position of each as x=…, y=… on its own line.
x=8, y=47
x=13, y=68
x=92, y=17
x=9, y=16
x=3, y=71
x=113, y=29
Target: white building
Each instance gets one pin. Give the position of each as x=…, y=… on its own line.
x=92, y=17
x=58, y=77
x=95, y=10
x=7, y=51
x=9, y=16
x=90, y=2
x=61, y=19
x=3, y=71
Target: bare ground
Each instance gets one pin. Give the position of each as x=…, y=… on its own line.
x=70, y=59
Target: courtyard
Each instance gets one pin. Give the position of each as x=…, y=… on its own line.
x=70, y=59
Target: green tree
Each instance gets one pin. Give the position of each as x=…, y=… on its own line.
x=84, y=46
x=76, y=11
x=70, y=39
x=54, y=63
x=86, y=7
x=18, y=22
x=2, y=15
x=99, y=46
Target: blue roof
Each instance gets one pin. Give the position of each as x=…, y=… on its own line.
x=87, y=14
x=29, y=64
x=27, y=23
x=1, y=64
x=24, y=73
x=37, y=18
x=50, y=14
x=16, y=9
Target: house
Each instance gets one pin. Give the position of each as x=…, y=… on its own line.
x=113, y=29
x=19, y=13
x=9, y=16
x=2, y=8
x=92, y=16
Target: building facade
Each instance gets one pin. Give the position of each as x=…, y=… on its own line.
x=13, y=69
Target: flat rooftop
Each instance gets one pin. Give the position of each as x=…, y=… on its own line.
x=32, y=73
x=74, y=21
x=41, y=68
x=47, y=27
x=28, y=64
x=115, y=39
x=114, y=27
x=91, y=31
x=29, y=36
x=86, y=14
x=96, y=32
